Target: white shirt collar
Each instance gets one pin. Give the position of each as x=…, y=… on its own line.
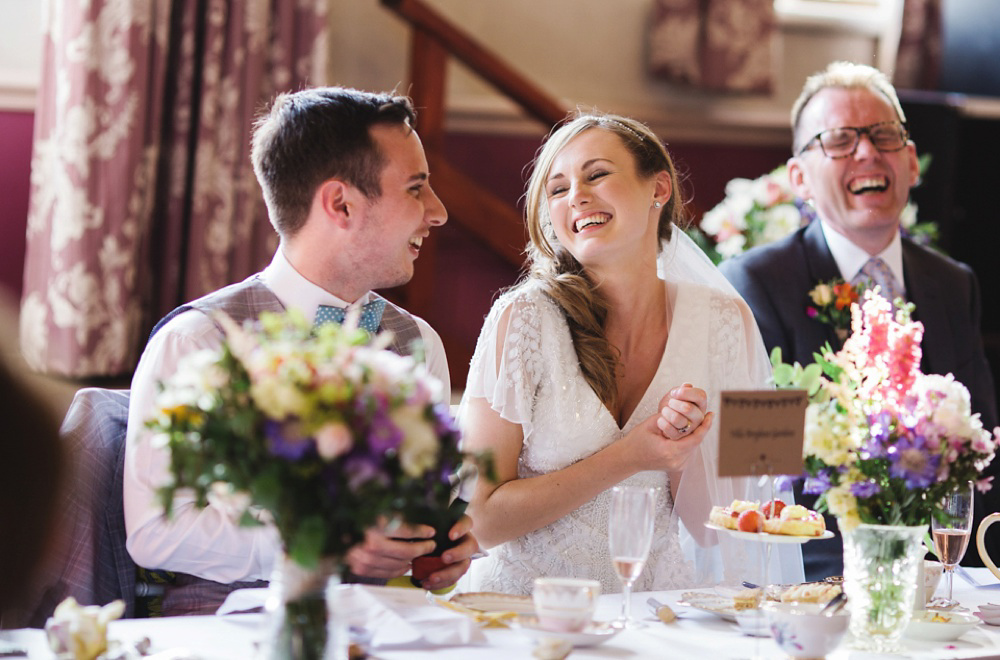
x=850, y=258
x=296, y=292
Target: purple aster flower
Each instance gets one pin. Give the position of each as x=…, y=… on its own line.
x=812, y=312
x=285, y=440
x=817, y=485
x=383, y=435
x=909, y=460
x=864, y=489
x=363, y=469
x=879, y=431
x=784, y=482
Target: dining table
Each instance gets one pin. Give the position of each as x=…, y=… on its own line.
x=694, y=634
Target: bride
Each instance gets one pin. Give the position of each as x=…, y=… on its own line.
x=602, y=367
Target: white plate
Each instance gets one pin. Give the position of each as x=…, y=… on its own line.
x=713, y=603
x=596, y=633
x=489, y=601
x=764, y=537
x=921, y=625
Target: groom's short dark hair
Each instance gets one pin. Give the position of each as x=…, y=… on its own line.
x=317, y=134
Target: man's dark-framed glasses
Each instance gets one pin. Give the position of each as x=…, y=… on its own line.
x=843, y=142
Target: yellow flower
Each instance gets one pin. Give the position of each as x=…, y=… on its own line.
x=419, y=450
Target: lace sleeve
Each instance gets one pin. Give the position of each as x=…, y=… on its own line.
x=506, y=368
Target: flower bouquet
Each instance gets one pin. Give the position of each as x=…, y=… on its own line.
x=316, y=431
x=754, y=212
x=884, y=443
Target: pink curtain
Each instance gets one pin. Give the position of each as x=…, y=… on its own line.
x=918, y=63
x=142, y=194
x=722, y=45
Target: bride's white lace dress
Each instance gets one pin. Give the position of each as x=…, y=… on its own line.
x=534, y=380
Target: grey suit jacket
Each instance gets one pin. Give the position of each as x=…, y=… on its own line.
x=775, y=280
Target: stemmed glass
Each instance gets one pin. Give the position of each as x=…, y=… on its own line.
x=951, y=527
x=630, y=532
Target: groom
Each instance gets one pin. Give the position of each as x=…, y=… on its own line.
x=347, y=188
x=854, y=162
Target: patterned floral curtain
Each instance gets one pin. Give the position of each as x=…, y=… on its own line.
x=142, y=194
x=723, y=45
x=918, y=63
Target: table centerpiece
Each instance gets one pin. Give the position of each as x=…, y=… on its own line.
x=320, y=432
x=884, y=443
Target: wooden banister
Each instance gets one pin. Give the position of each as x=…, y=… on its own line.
x=531, y=98
x=494, y=222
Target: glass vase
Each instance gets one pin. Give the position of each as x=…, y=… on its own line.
x=880, y=579
x=302, y=625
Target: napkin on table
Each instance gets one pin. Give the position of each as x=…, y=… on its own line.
x=393, y=617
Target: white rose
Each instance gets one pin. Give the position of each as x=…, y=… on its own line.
x=419, y=450
x=822, y=295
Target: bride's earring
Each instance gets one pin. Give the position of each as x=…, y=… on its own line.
x=657, y=205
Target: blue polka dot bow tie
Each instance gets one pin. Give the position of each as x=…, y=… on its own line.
x=371, y=315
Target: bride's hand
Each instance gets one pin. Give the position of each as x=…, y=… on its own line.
x=655, y=450
x=682, y=411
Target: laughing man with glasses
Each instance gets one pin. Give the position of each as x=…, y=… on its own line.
x=855, y=164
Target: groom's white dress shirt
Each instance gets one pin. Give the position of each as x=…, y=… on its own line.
x=209, y=543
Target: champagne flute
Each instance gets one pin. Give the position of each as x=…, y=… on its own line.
x=630, y=533
x=951, y=528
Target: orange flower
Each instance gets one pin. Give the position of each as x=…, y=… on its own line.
x=845, y=294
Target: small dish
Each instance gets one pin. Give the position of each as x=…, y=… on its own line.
x=490, y=601
x=764, y=537
x=596, y=632
x=714, y=603
x=989, y=613
x=940, y=626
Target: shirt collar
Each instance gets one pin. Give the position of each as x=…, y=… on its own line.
x=850, y=258
x=296, y=292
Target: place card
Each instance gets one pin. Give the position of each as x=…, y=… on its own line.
x=761, y=432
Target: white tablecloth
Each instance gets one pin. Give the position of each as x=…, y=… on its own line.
x=695, y=635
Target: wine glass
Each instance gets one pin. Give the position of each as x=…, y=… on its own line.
x=630, y=532
x=951, y=527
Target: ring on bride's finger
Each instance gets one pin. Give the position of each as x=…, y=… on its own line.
x=687, y=427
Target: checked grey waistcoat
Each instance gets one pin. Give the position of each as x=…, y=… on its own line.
x=246, y=300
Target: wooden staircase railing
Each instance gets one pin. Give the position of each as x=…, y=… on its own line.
x=494, y=222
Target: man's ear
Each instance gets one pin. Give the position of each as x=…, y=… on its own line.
x=797, y=178
x=337, y=201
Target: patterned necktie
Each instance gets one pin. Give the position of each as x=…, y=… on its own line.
x=371, y=315
x=877, y=272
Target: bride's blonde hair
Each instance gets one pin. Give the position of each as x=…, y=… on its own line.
x=561, y=275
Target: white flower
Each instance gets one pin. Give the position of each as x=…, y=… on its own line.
x=419, y=450
x=946, y=402
x=333, y=440
x=779, y=221
x=723, y=221
x=732, y=245
x=278, y=398
x=81, y=632
x=231, y=502
x=827, y=435
x=822, y=295
x=908, y=216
